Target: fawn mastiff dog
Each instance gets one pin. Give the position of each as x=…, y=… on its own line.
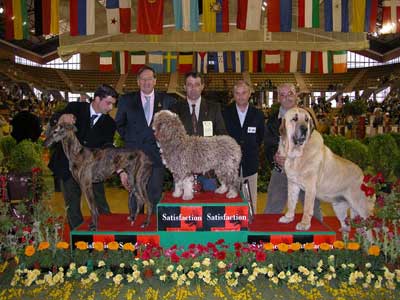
x=314, y=168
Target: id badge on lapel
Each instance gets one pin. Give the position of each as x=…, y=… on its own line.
x=207, y=128
x=251, y=129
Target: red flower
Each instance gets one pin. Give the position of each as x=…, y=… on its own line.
x=237, y=246
x=367, y=178
x=175, y=258
x=220, y=242
x=238, y=254
x=192, y=246
x=378, y=178
x=261, y=256
x=221, y=255
x=369, y=191
x=363, y=187
x=185, y=254
x=380, y=201
x=145, y=255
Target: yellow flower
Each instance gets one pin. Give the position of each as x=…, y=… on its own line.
x=338, y=245
x=268, y=246
x=309, y=246
x=374, y=250
x=62, y=245
x=81, y=245
x=128, y=247
x=283, y=247
x=295, y=246
x=324, y=246
x=113, y=246
x=43, y=246
x=353, y=246
x=98, y=246
x=29, y=250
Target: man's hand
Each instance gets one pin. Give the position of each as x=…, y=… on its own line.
x=124, y=180
x=67, y=118
x=279, y=160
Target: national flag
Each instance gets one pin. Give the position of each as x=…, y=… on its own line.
x=185, y=62
x=81, y=17
x=186, y=13
x=48, y=15
x=249, y=14
x=150, y=16
x=358, y=15
x=371, y=13
x=254, y=61
x=290, y=61
x=216, y=15
x=324, y=62
x=202, y=62
x=279, y=15
x=156, y=61
x=16, y=19
x=308, y=61
x=106, y=64
x=122, y=62
x=237, y=61
x=118, y=16
x=337, y=15
x=138, y=60
x=339, y=61
x=272, y=60
x=391, y=15
x=308, y=13
x=170, y=59
x=220, y=61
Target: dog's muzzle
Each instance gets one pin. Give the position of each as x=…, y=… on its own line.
x=300, y=135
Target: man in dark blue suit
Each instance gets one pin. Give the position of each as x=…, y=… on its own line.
x=96, y=129
x=245, y=124
x=134, y=116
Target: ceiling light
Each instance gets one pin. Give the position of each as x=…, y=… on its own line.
x=1, y=10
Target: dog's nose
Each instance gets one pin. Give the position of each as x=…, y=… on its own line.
x=303, y=130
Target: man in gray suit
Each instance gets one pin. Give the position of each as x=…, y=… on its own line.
x=134, y=116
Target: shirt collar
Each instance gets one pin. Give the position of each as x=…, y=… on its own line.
x=93, y=112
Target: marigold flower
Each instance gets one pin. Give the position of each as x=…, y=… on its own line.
x=309, y=246
x=98, y=246
x=29, y=250
x=43, y=246
x=113, y=246
x=338, y=245
x=374, y=250
x=353, y=246
x=81, y=245
x=295, y=246
x=268, y=246
x=324, y=246
x=62, y=245
x=128, y=247
x=283, y=247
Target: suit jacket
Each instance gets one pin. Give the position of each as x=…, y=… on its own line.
x=26, y=125
x=132, y=125
x=272, y=137
x=101, y=135
x=249, y=137
x=209, y=111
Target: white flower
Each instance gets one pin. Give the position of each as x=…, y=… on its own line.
x=281, y=275
x=109, y=274
x=72, y=266
x=206, y=261
x=245, y=271
x=170, y=268
x=101, y=263
x=163, y=277
x=82, y=270
x=145, y=263
x=122, y=265
x=179, y=268
x=368, y=265
x=275, y=280
x=196, y=265
x=221, y=265
x=174, y=276
x=117, y=279
x=191, y=274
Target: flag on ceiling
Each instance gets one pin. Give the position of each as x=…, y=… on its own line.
x=339, y=61
x=105, y=64
x=16, y=19
x=38, y=17
x=390, y=16
x=156, y=61
x=308, y=13
x=272, y=61
x=150, y=16
x=122, y=62
x=185, y=62
x=337, y=15
x=358, y=15
x=249, y=14
x=186, y=15
x=170, y=59
x=371, y=13
x=216, y=15
x=308, y=61
x=118, y=16
x=254, y=61
x=279, y=15
x=220, y=61
x=81, y=17
x=138, y=60
x=324, y=62
x=49, y=16
x=290, y=59
x=202, y=62
x=237, y=61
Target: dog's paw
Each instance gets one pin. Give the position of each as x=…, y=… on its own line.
x=302, y=226
x=285, y=219
x=221, y=190
x=187, y=197
x=231, y=194
x=177, y=194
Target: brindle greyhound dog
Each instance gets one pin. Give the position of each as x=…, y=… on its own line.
x=89, y=166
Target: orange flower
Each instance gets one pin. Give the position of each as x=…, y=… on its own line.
x=62, y=245
x=268, y=246
x=338, y=245
x=325, y=246
x=374, y=250
x=295, y=246
x=353, y=246
x=81, y=245
x=128, y=247
x=29, y=250
x=43, y=246
x=113, y=246
x=283, y=247
x=98, y=246
x=309, y=246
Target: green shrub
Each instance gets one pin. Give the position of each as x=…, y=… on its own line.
x=7, y=144
x=25, y=156
x=335, y=143
x=356, y=152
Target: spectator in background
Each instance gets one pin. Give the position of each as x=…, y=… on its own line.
x=25, y=125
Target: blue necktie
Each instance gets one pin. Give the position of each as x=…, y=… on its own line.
x=92, y=118
x=147, y=109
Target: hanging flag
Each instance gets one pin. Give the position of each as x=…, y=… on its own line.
x=308, y=13
x=237, y=61
x=390, y=16
x=324, y=62
x=272, y=60
x=38, y=18
x=358, y=15
x=150, y=16
x=16, y=19
x=279, y=15
x=290, y=61
x=308, y=61
x=48, y=15
x=156, y=61
x=170, y=59
x=106, y=64
x=216, y=15
x=339, y=61
x=186, y=15
x=249, y=14
x=371, y=13
x=138, y=60
x=254, y=61
x=81, y=17
x=337, y=15
x=185, y=62
x=118, y=16
x=202, y=62
x=220, y=61
x=122, y=62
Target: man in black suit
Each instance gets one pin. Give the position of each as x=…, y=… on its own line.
x=245, y=124
x=199, y=116
x=96, y=129
x=25, y=125
x=134, y=116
